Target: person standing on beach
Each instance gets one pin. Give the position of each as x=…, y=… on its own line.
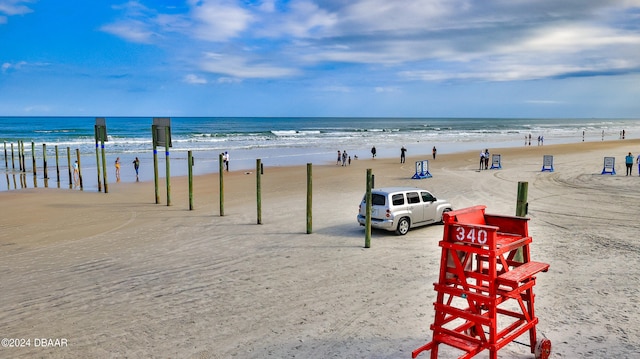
x=344, y=157
x=118, y=169
x=638, y=164
x=373, y=152
x=403, y=152
x=481, y=159
x=629, y=162
x=226, y=160
x=136, y=166
x=339, y=158
x=433, y=152
x=486, y=159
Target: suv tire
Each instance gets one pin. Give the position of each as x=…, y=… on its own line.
x=403, y=226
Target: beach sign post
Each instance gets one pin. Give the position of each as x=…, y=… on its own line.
x=495, y=162
x=422, y=170
x=368, y=209
x=190, y=172
x=221, y=181
x=547, y=163
x=609, y=166
x=161, y=132
x=100, y=131
x=259, y=191
x=309, y=198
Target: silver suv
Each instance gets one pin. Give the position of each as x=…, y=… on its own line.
x=401, y=208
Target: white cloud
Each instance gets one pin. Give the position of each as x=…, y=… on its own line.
x=15, y=7
x=131, y=30
x=424, y=40
x=195, y=79
x=218, y=20
x=301, y=20
x=240, y=67
x=7, y=66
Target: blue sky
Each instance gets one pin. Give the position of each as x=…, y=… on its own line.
x=398, y=58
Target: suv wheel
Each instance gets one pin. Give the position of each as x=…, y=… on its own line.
x=442, y=216
x=403, y=226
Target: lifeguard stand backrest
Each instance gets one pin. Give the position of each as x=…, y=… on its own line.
x=509, y=224
x=469, y=225
x=469, y=215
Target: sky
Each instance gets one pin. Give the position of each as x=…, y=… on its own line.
x=321, y=58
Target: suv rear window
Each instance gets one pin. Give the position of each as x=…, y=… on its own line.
x=397, y=199
x=413, y=197
x=378, y=200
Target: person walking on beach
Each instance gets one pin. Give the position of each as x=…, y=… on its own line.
x=373, y=152
x=481, y=159
x=403, y=151
x=339, y=158
x=76, y=171
x=344, y=157
x=629, y=162
x=136, y=166
x=118, y=169
x=433, y=152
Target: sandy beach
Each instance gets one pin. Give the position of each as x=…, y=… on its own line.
x=116, y=275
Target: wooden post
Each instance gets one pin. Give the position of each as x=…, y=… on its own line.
x=521, y=205
x=155, y=162
x=21, y=154
x=166, y=157
x=221, y=172
x=309, y=198
x=259, y=191
x=24, y=161
x=367, y=226
x=104, y=167
x=79, y=169
x=521, y=211
x=69, y=166
x=19, y=149
x=190, y=171
x=13, y=164
x=98, y=166
x=33, y=157
x=57, y=165
x=44, y=161
x=6, y=160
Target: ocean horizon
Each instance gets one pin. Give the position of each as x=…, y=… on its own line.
x=277, y=141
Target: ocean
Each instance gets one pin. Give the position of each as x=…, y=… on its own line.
x=276, y=141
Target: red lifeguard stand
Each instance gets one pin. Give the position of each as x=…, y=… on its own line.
x=485, y=294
